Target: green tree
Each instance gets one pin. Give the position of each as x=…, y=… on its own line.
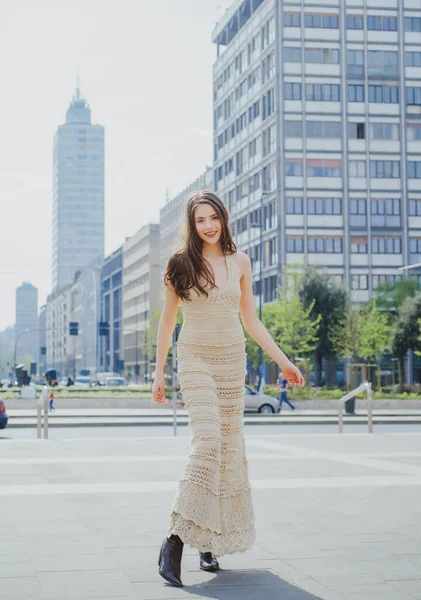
x=291, y=325
x=406, y=331
x=328, y=300
x=391, y=295
x=363, y=333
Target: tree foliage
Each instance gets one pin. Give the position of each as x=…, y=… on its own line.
x=291, y=325
x=406, y=334
x=391, y=295
x=363, y=333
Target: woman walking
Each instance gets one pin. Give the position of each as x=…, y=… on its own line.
x=212, y=510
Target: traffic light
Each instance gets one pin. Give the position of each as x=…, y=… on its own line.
x=104, y=328
x=73, y=328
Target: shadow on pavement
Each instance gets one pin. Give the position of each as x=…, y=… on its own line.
x=255, y=584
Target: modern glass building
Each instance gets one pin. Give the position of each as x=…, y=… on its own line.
x=111, y=313
x=317, y=114
x=78, y=193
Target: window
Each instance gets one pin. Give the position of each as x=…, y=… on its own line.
x=294, y=206
x=268, y=67
x=384, y=131
x=359, y=282
x=324, y=206
x=385, y=212
x=355, y=93
x=269, y=177
x=386, y=245
x=354, y=22
x=356, y=131
x=294, y=167
x=292, y=19
x=268, y=140
x=292, y=54
x=323, y=168
x=359, y=244
x=377, y=23
x=268, y=104
x=321, y=21
x=413, y=24
x=415, y=245
x=415, y=208
x=413, y=59
x=270, y=221
x=385, y=169
x=414, y=169
x=358, y=212
x=326, y=56
x=355, y=63
x=382, y=279
x=382, y=63
x=295, y=243
x=293, y=91
x=327, y=92
x=254, y=182
x=357, y=168
x=293, y=129
x=383, y=93
x=413, y=96
x=323, y=129
x=324, y=244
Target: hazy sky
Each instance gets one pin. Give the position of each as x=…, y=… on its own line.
x=146, y=71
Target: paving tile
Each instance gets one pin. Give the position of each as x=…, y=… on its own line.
x=82, y=584
x=20, y=587
x=73, y=562
x=379, y=591
x=16, y=569
x=163, y=591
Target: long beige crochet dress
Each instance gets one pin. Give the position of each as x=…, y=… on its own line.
x=213, y=510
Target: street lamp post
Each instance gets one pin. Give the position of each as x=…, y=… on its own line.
x=261, y=226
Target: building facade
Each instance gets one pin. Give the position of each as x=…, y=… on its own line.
x=78, y=302
x=111, y=347
x=78, y=193
x=42, y=340
x=317, y=116
x=172, y=216
x=141, y=290
x=26, y=327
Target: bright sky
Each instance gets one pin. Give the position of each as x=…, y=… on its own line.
x=146, y=71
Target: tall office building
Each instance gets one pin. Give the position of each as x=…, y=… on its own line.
x=111, y=347
x=317, y=113
x=78, y=193
x=26, y=328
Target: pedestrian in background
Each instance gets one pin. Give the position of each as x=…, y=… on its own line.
x=282, y=386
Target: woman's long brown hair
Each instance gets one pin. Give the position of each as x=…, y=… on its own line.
x=186, y=268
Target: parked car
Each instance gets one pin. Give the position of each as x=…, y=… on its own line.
x=261, y=403
x=115, y=381
x=3, y=415
x=83, y=381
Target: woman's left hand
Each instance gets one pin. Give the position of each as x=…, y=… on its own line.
x=293, y=375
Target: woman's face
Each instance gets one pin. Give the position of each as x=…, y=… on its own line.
x=208, y=224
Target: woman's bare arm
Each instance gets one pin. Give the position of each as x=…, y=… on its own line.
x=166, y=326
x=256, y=328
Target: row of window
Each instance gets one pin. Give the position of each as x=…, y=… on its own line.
x=332, y=129
x=384, y=211
x=253, y=219
x=379, y=169
x=359, y=245
x=387, y=94
x=360, y=282
x=374, y=22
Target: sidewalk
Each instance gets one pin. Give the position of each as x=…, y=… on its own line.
x=92, y=417
x=338, y=517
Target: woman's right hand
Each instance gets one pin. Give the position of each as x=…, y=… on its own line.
x=158, y=388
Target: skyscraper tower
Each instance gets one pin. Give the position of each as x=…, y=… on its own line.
x=78, y=193
x=26, y=329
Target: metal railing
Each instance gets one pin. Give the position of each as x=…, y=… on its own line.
x=366, y=385
x=42, y=407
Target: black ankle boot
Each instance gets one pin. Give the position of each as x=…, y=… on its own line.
x=169, y=561
x=207, y=562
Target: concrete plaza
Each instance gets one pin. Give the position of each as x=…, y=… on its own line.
x=337, y=517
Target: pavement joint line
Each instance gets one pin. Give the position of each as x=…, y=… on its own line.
x=165, y=486
x=345, y=458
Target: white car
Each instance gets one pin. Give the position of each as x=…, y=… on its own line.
x=115, y=381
